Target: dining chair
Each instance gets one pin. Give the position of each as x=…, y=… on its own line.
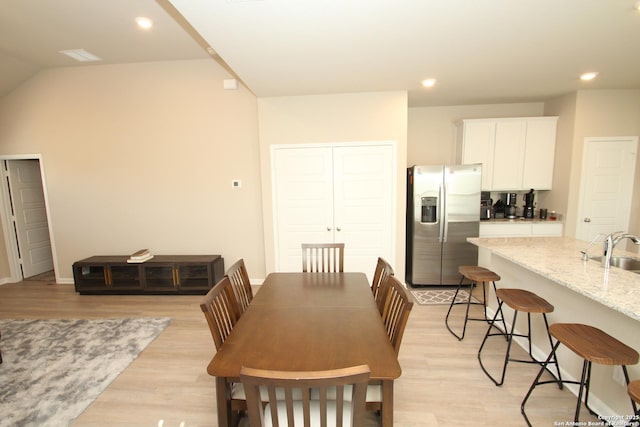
x=323, y=257
x=395, y=306
x=241, y=285
x=338, y=397
x=379, y=283
x=396, y=309
x=221, y=310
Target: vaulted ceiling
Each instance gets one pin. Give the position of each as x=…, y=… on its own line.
x=489, y=51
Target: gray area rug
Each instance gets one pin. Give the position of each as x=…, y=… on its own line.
x=439, y=296
x=54, y=369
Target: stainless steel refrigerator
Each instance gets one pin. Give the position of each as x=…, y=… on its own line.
x=443, y=209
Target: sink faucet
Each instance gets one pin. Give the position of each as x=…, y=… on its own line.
x=611, y=241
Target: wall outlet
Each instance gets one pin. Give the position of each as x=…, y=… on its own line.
x=618, y=376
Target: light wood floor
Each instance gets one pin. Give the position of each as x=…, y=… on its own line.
x=441, y=384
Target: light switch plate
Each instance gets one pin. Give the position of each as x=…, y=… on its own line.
x=236, y=183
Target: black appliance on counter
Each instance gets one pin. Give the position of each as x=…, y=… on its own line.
x=509, y=200
x=498, y=210
x=486, y=205
x=528, y=205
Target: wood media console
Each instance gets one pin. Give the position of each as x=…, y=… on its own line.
x=162, y=274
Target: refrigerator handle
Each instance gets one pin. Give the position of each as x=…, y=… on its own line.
x=441, y=195
x=444, y=224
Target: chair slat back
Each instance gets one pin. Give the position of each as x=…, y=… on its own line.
x=220, y=309
x=241, y=285
x=379, y=283
x=323, y=257
x=396, y=309
x=333, y=397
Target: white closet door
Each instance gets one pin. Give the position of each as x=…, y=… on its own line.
x=363, y=204
x=303, y=194
x=334, y=194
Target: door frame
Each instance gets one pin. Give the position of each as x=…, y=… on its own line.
x=11, y=241
x=394, y=184
x=583, y=182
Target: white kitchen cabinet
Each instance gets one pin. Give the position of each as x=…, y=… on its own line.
x=508, y=154
x=540, y=147
x=519, y=228
x=516, y=153
x=546, y=229
x=479, y=137
x=505, y=229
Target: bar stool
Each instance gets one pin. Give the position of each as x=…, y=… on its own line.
x=634, y=392
x=527, y=302
x=594, y=346
x=474, y=274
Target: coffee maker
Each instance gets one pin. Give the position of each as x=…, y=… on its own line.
x=509, y=200
x=528, y=205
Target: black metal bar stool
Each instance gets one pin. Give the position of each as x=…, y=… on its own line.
x=594, y=346
x=634, y=393
x=475, y=275
x=527, y=302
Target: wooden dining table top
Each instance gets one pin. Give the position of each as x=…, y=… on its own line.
x=307, y=322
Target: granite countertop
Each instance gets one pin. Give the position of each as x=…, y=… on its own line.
x=559, y=259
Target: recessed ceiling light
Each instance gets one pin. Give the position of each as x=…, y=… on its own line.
x=588, y=76
x=144, y=23
x=429, y=82
x=80, y=55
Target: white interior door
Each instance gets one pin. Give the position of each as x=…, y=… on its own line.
x=334, y=194
x=363, y=205
x=303, y=202
x=608, y=169
x=30, y=216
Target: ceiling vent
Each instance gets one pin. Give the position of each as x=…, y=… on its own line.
x=81, y=55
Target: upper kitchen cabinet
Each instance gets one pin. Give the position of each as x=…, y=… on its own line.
x=516, y=153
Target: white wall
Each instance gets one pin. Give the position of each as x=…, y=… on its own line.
x=142, y=156
x=598, y=113
x=565, y=108
x=380, y=116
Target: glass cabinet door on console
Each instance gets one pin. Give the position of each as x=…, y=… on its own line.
x=159, y=277
x=192, y=276
x=124, y=277
x=92, y=277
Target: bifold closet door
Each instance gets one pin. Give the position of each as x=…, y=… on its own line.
x=334, y=194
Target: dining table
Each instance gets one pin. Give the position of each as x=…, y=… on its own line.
x=308, y=322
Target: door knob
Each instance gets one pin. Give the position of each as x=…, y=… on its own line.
x=587, y=220
x=328, y=228
x=339, y=228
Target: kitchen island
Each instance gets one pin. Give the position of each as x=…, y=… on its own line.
x=581, y=292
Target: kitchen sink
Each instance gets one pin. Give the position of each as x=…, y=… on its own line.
x=625, y=263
